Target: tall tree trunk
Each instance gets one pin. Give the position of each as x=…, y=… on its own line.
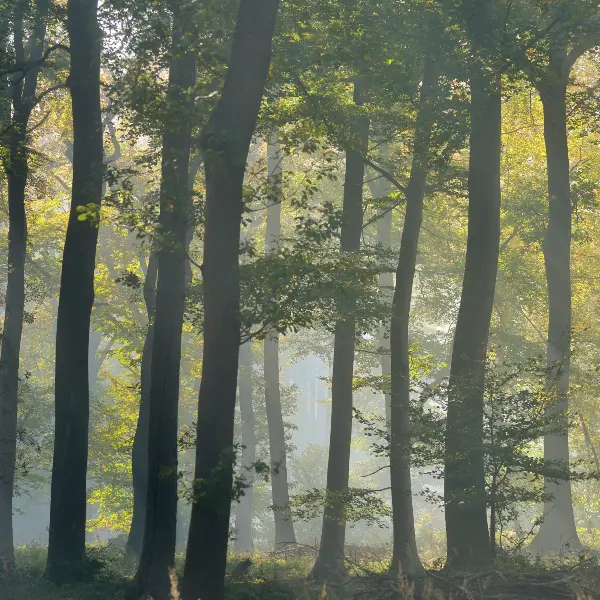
x=558, y=530
x=284, y=525
x=468, y=539
x=330, y=563
x=405, y=555
x=16, y=166
x=225, y=143
x=158, y=549
x=380, y=188
x=66, y=546
x=139, y=454
x=245, y=508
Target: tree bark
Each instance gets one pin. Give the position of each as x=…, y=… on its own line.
x=158, y=549
x=558, y=530
x=380, y=188
x=225, y=144
x=66, y=546
x=245, y=508
x=330, y=563
x=16, y=166
x=405, y=556
x=468, y=539
x=139, y=454
x=284, y=525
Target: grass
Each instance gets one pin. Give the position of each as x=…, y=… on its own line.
x=26, y=582
x=283, y=577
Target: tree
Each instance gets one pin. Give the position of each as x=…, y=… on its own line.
x=558, y=526
x=66, y=546
x=158, y=549
x=225, y=143
x=380, y=190
x=16, y=165
x=284, y=526
x=330, y=561
x=574, y=32
x=405, y=552
x=464, y=480
x=245, y=508
x=139, y=452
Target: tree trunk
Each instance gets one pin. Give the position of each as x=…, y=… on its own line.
x=405, y=557
x=139, y=454
x=158, y=549
x=380, y=188
x=225, y=143
x=558, y=530
x=245, y=508
x=493, y=523
x=590, y=444
x=280, y=494
x=17, y=168
x=330, y=563
x=66, y=546
x=468, y=539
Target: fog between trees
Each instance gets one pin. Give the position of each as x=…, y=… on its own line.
x=307, y=283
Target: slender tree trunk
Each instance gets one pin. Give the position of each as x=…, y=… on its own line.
x=284, y=525
x=11, y=337
x=380, y=188
x=330, y=563
x=225, y=142
x=66, y=547
x=493, y=523
x=590, y=444
x=139, y=455
x=245, y=508
x=558, y=531
x=467, y=533
x=405, y=555
x=158, y=549
x=94, y=362
x=16, y=166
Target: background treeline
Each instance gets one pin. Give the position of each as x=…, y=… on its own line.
x=292, y=274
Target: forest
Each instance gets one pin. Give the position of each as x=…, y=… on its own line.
x=298, y=299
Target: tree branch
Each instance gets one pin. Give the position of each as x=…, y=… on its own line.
x=24, y=68
x=366, y=160
x=50, y=90
x=577, y=51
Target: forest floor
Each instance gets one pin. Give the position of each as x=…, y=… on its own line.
x=281, y=577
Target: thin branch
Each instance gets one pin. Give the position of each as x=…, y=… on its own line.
x=50, y=90
x=383, y=212
x=193, y=262
x=376, y=471
x=537, y=329
x=62, y=183
x=24, y=68
x=508, y=240
x=40, y=123
x=577, y=51
x=385, y=174
x=366, y=160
